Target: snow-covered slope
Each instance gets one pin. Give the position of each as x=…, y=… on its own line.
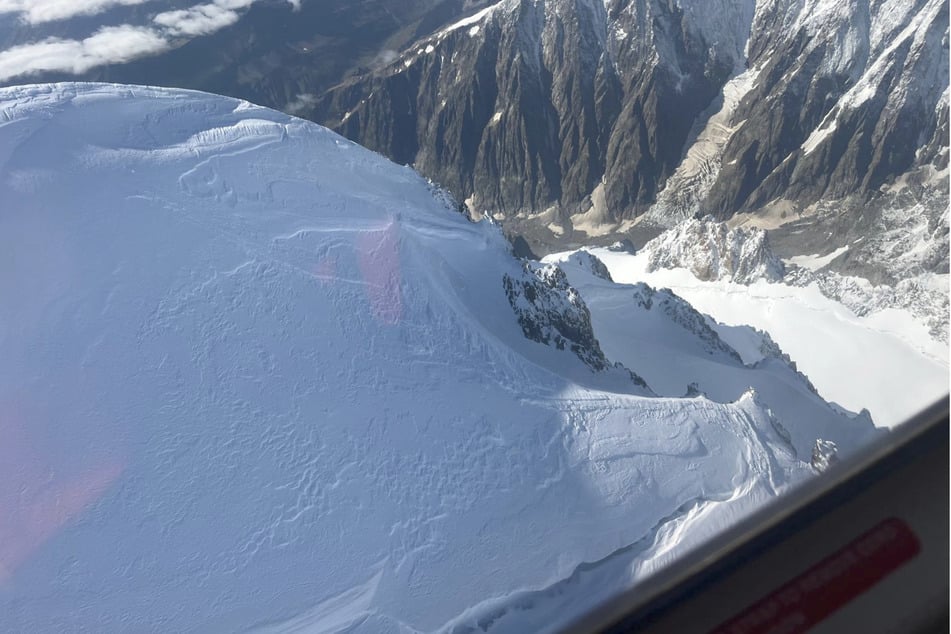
x=860, y=354
x=678, y=351
x=253, y=376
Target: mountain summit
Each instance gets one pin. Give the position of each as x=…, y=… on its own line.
x=253, y=376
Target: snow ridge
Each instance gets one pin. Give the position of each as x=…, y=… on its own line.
x=265, y=379
x=639, y=326
x=590, y=262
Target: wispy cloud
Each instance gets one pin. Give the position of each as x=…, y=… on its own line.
x=110, y=45
x=203, y=18
x=301, y=104
x=42, y=11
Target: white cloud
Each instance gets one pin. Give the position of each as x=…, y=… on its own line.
x=41, y=11
x=386, y=56
x=110, y=45
x=123, y=43
x=301, y=103
x=203, y=18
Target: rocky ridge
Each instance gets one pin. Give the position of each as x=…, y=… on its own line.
x=576, y=105
x=553, y=313
x=583, y=115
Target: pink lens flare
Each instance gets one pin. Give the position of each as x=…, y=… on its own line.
x=379, y=259
x=36, y=499
x=326, y=270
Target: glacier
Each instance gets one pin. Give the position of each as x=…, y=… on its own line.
x=874, y=348
x=254, y=377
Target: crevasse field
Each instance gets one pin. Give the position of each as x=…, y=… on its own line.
x=256, y=378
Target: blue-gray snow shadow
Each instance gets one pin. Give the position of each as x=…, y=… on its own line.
x=220, y=412
x=290, y=431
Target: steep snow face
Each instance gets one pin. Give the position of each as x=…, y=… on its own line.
x=639, y=326
x=590, y=262
x=712, y=251
x=574, y=119
x=253, y=376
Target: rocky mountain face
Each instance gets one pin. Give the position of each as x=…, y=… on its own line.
x=277, y=53
x=712, y=251
x=848, y=96
x=576, y=104
x=824, y=455
x=551, y=312
x=588, y=114
x=585, y=121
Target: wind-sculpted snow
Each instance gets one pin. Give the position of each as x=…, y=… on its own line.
x=679, y=351
x=254, y=377
x=713, y=251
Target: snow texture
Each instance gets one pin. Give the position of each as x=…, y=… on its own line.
x=254, y=377
x=679, y=351
x=858, y=353
x=924, y=297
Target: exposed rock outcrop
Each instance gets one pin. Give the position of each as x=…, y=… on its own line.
x=550, y=311
x=712, y=251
